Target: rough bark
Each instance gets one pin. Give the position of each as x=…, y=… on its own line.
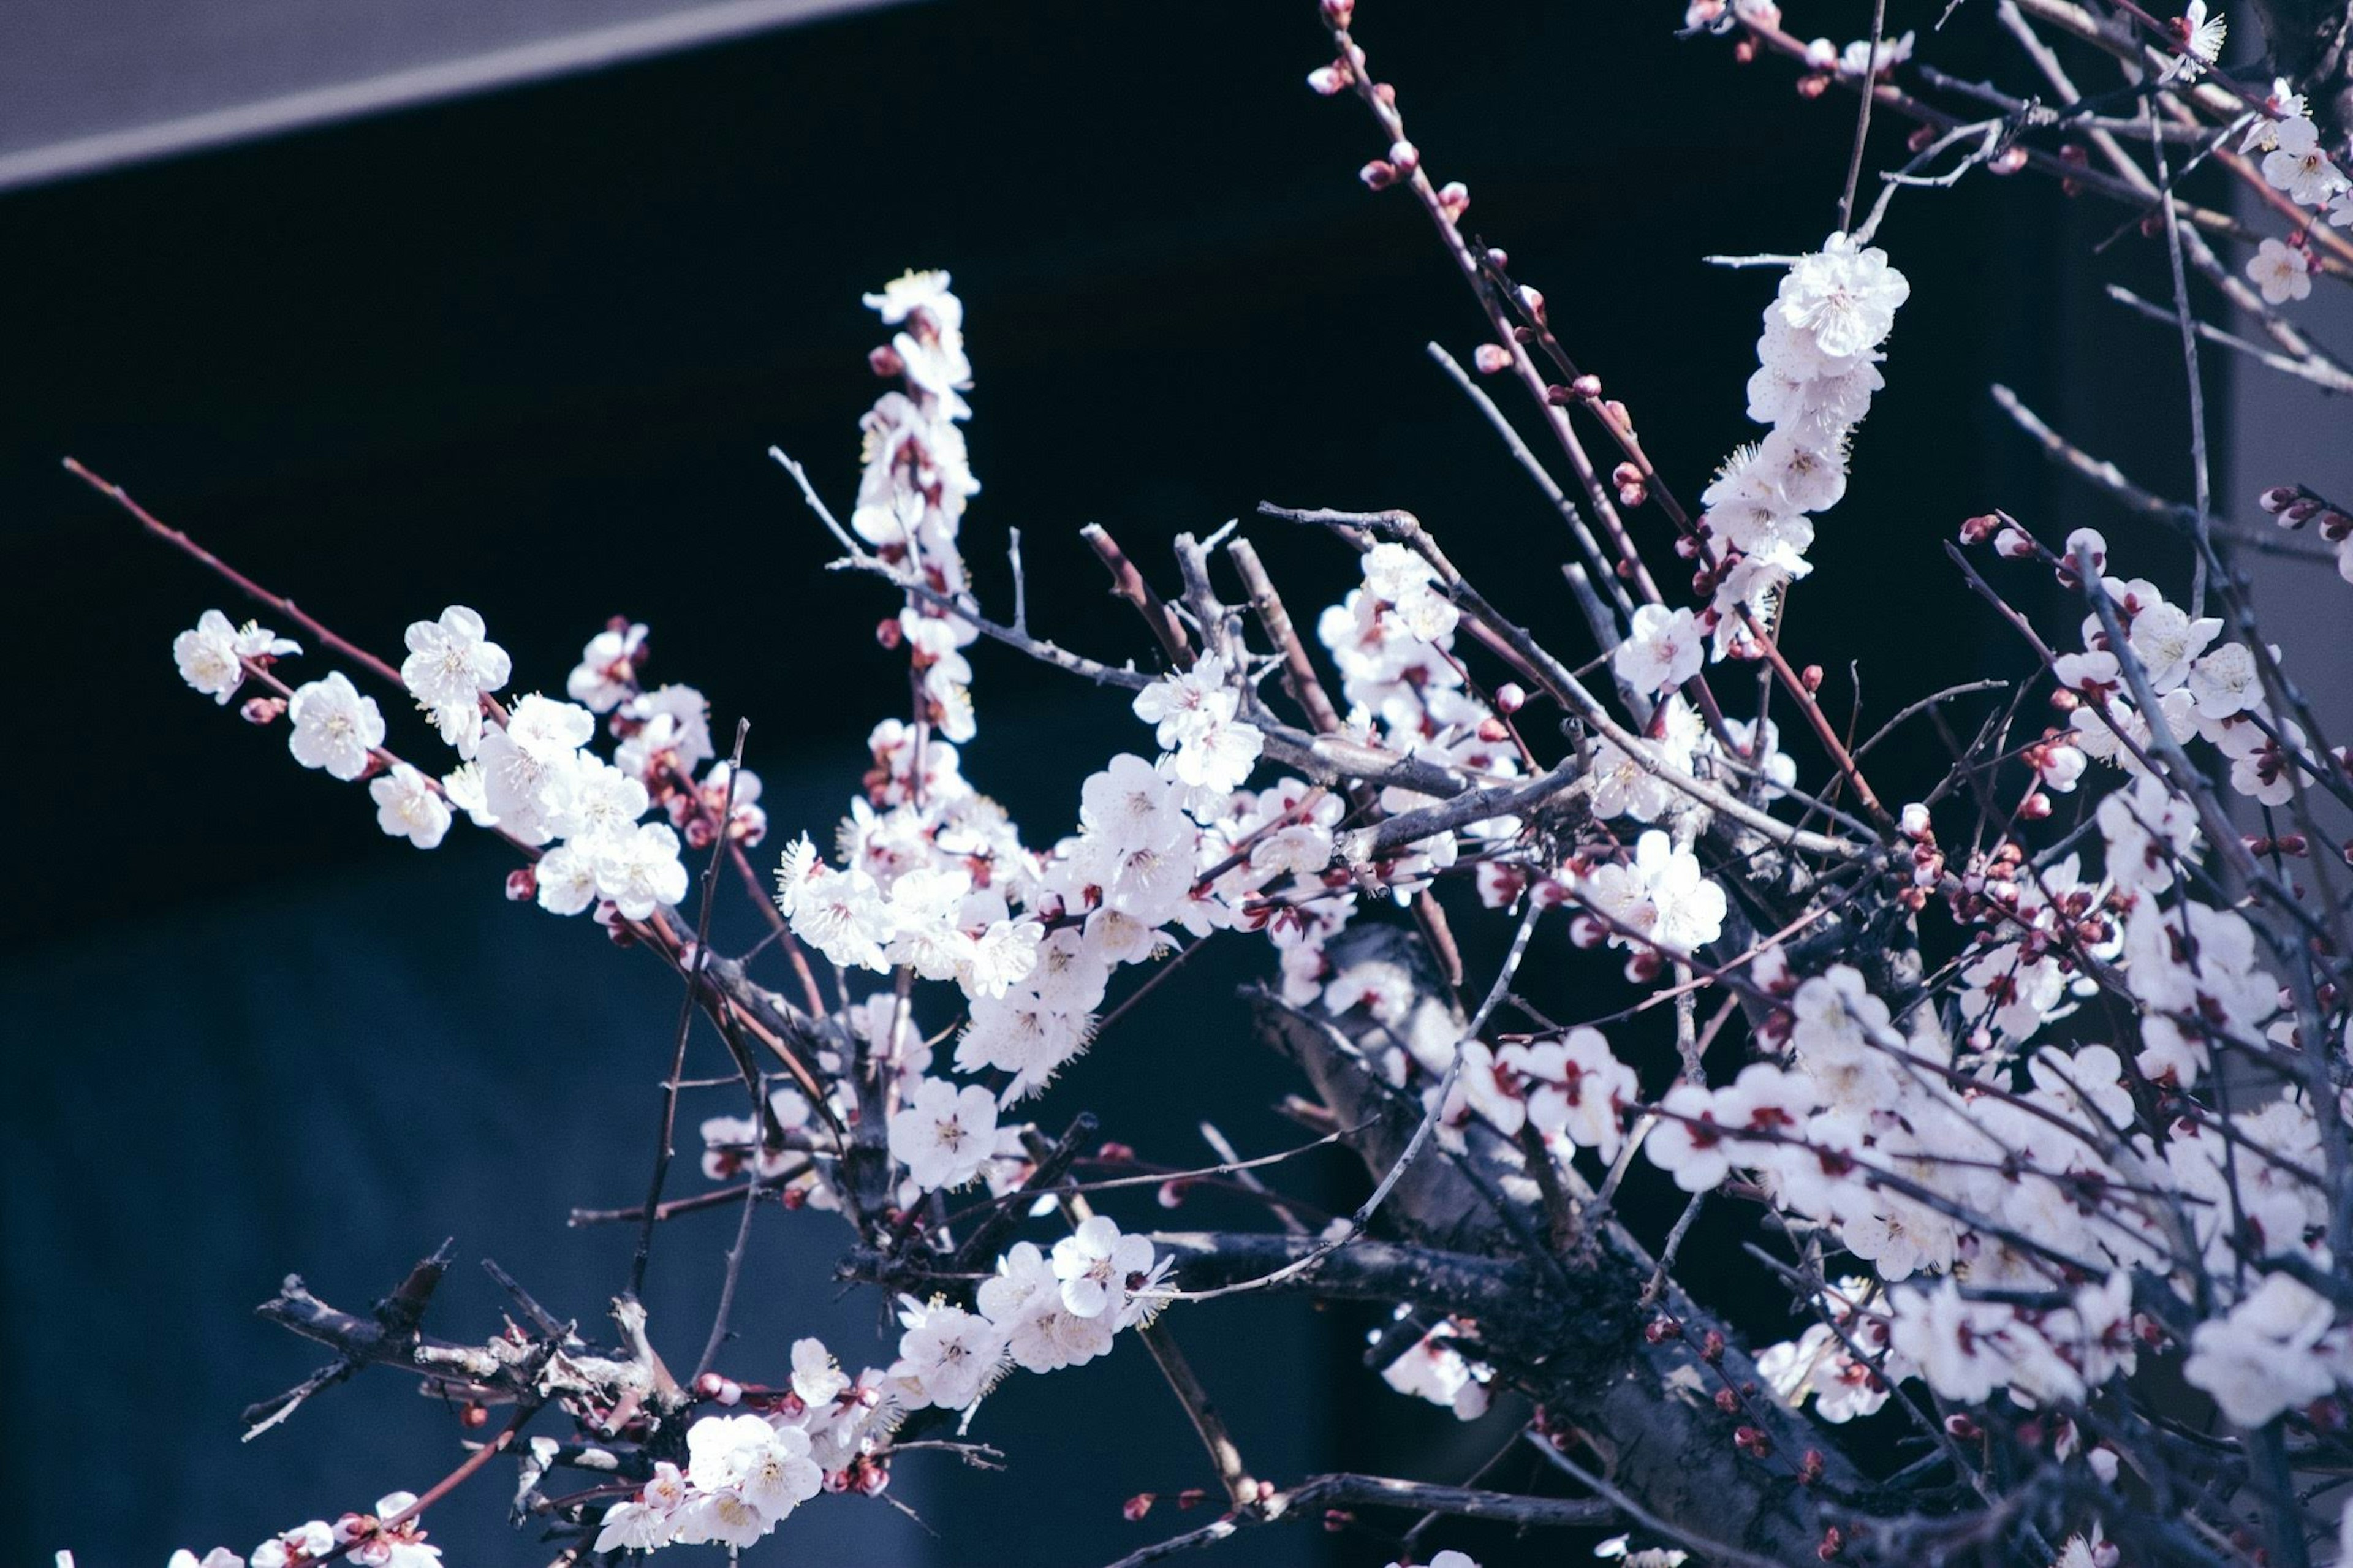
x=1572, y=1329
x=2311, y=44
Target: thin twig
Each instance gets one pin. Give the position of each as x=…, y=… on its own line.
x=652, y=1206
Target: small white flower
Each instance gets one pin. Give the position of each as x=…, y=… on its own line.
x=212, y=656
x=333, y=727
x=2282, y=271
x=2300, y=166
x=2199, y=38
x=450, y=663
x=640, y=870
x=944, y=1134
x=409, y=806
x=947, y=1356
x=608, y=671
x=1094, y=1264
x=1665, y=649
x=567, y=879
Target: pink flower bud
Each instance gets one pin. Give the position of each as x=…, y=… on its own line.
x=1532, y=302
x=1588, y=386
x=1510, y=697
x=885, y=362
x=2275, y=499
x=1406, y=156
x=2009, y=159
x=1491, y=358
x=261, y=709
x=1377, y=175
x=1339, y=12
x=1136, y=1507
x=1454, y=198
x=1325, y=80
x=522, y=885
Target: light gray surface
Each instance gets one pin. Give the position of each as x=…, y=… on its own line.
x=85, y=85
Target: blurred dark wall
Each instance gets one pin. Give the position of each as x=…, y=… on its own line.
x=526, y=353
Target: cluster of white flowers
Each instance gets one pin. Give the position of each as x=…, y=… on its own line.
x=2206, y=690
x=912, y=493
x=827, y=1431
x=365, y=1538
x=1817, y=370
x=1392, y=641
x=2295, y=163
x=526, y=771
x=1659, y=895
x=1843, y=1362
x=744, y=1476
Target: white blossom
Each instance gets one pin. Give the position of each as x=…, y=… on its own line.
x=331, y=726
x=944, y=1134
x=409, y=806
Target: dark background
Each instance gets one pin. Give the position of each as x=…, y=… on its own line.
x=526, y=351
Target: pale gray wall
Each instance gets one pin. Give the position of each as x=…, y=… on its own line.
x=89, y=84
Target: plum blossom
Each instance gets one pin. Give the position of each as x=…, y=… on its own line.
x=947, y=1357
x=212, y=656
x=2283, y=272
x=451, y=663
x=607, y=670
x=2265, y=1356
x=639, y=871
x=1663, y=649
x=944, y=1134
x=333, y=727
x=2199, y=36
x=407, y=805
x=1095, y=1264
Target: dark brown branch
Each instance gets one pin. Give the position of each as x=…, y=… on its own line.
x=1127, y=583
